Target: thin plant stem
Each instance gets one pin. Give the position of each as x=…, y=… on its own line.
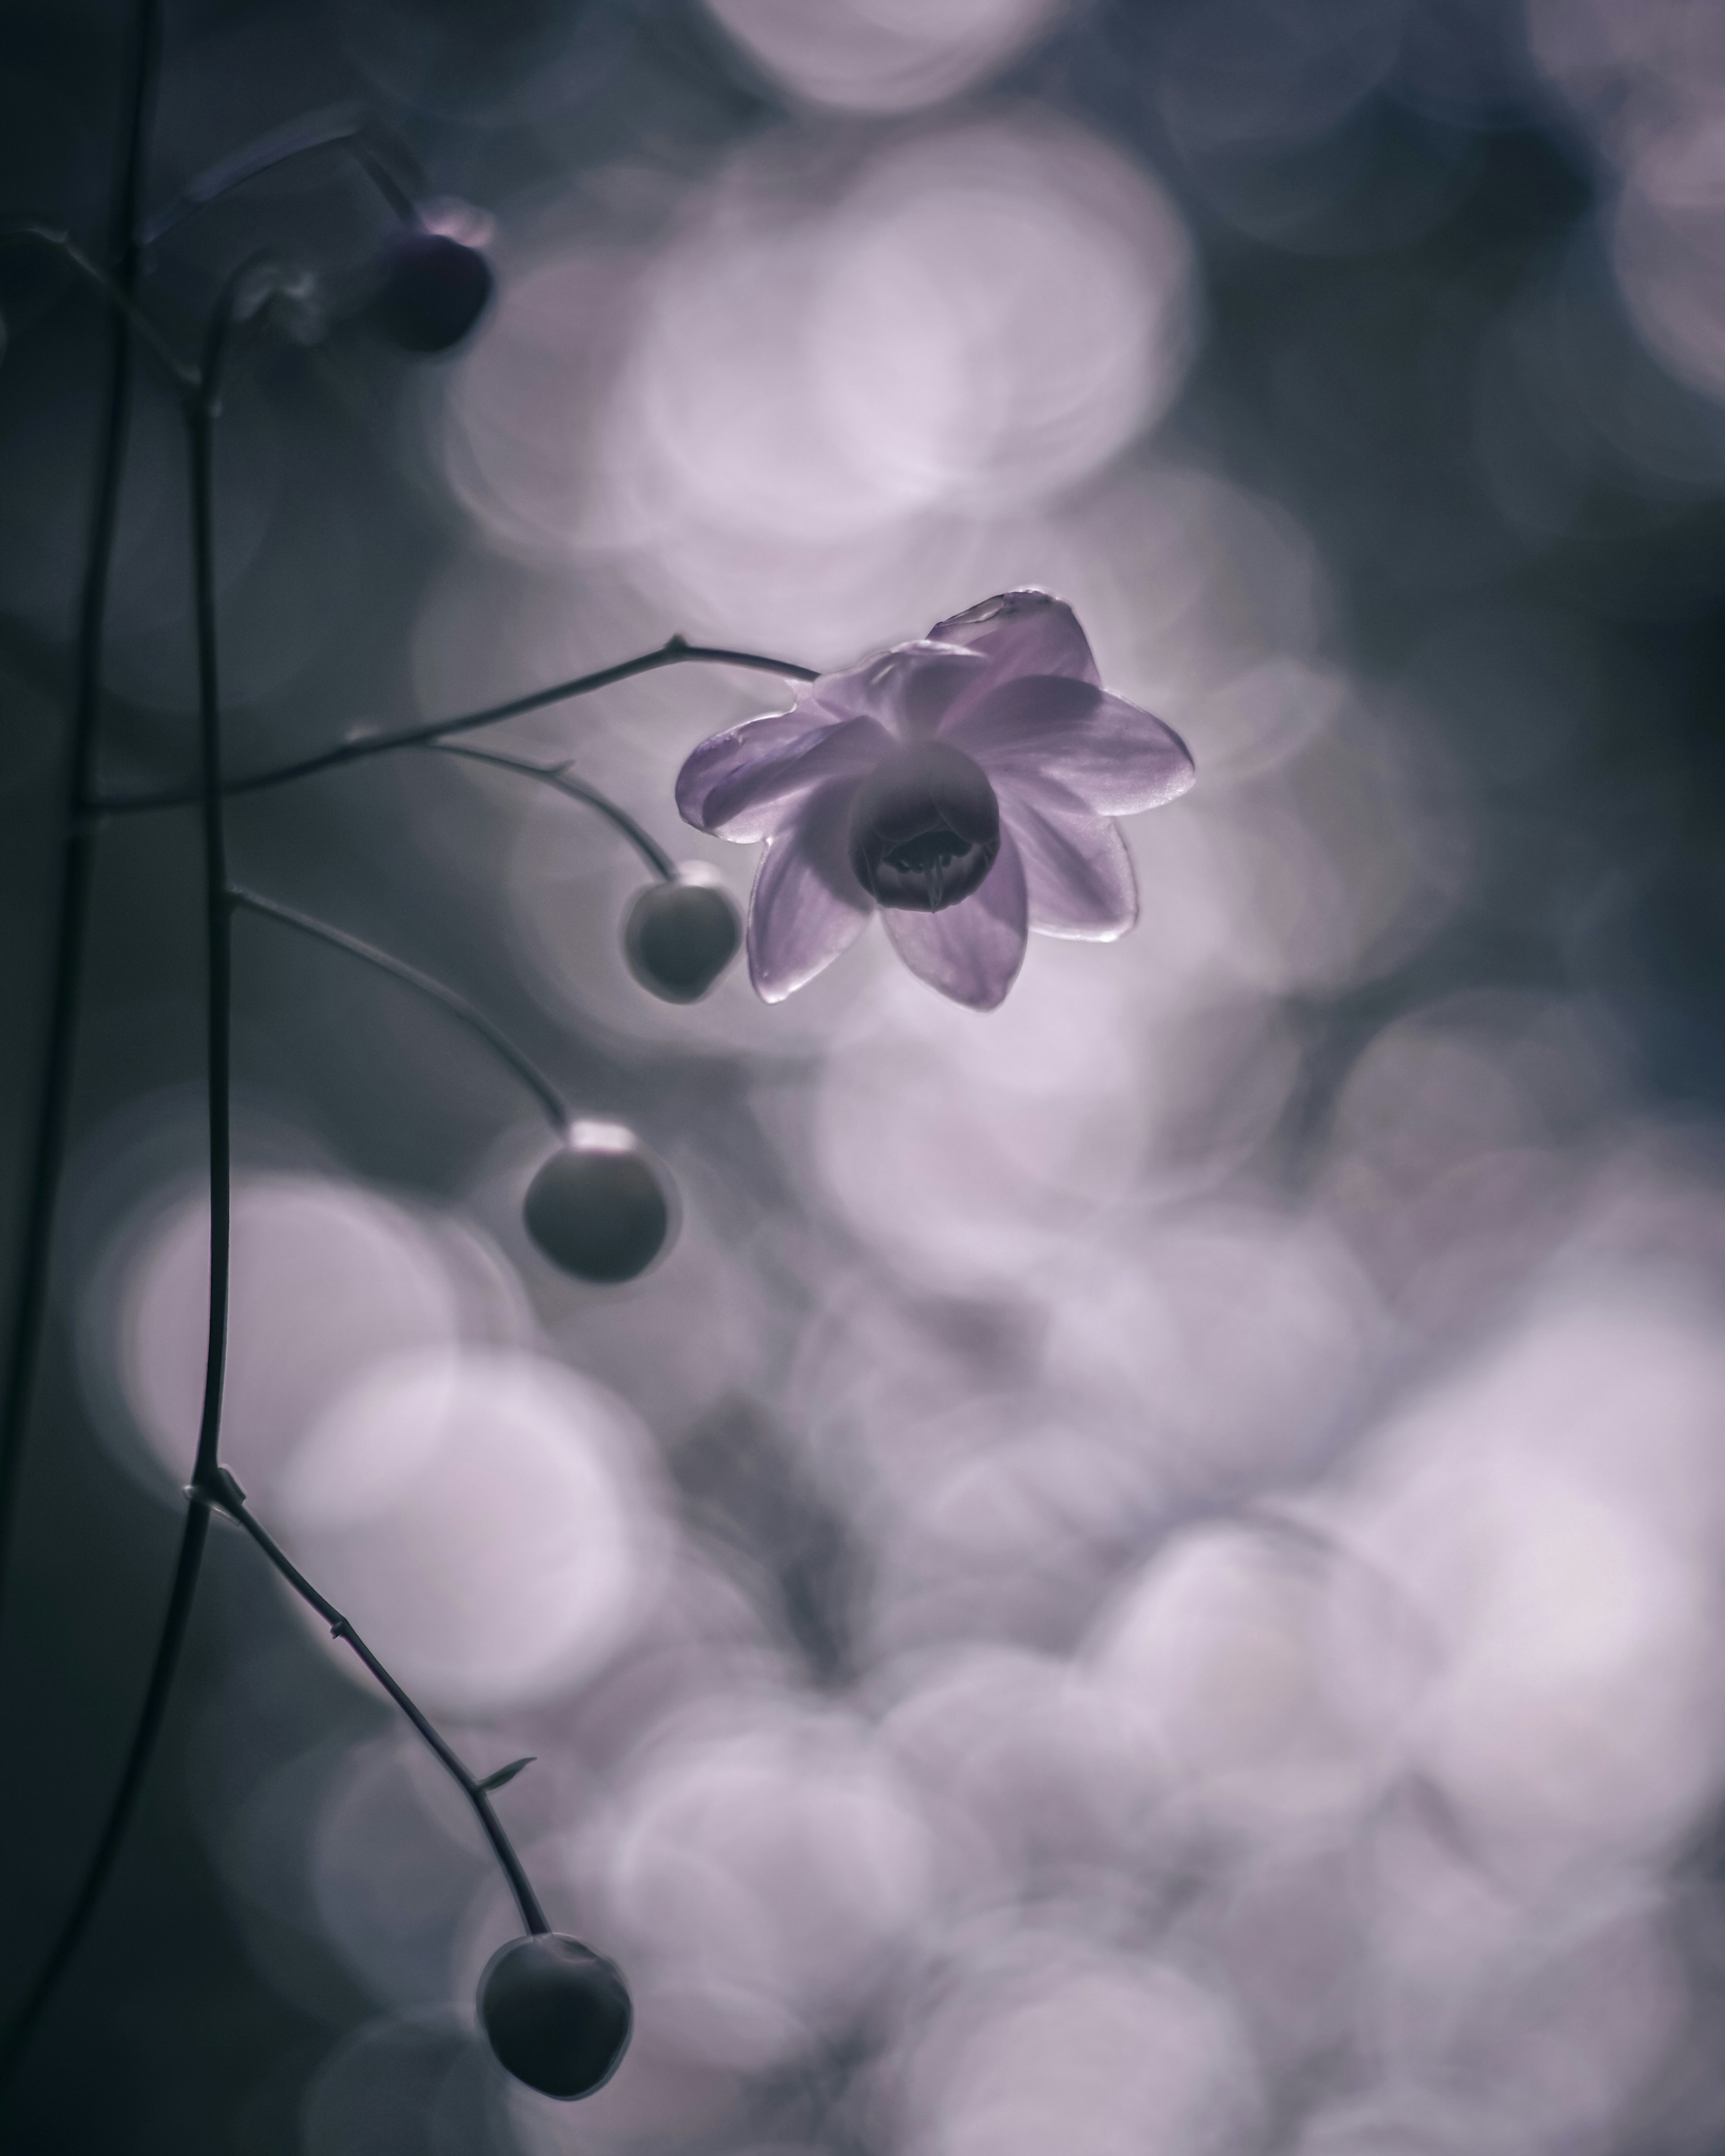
x=118, y=295
x=77, y=851
x=555, y=1108
x=643, y=843
x=342, y=129
x=163, y=1670
x=211, y=1484
x=200, y=409
x=220, y=1489
x=218, y=914
x=675, y=652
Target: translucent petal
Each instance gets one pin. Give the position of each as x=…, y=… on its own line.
x=1077, y=872
x=910, y=689
x=973, y=951
x=1115, y=758
x=1022, y=632
x=750, y=782
x=807, y=906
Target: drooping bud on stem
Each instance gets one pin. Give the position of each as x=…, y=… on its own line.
x=680, y=936
x=557, y=2015
x=432, y=290
x=605, y=1208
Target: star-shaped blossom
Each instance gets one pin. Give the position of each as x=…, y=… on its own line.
x=964, y=785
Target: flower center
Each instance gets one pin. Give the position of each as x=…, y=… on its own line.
x=925, y=828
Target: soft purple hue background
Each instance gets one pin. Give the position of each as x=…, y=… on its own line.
x=1146, y=1573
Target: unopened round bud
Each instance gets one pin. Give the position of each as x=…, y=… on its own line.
x=680, y=936
x=432, y=290
x=557, y=2015
x=603, y=1208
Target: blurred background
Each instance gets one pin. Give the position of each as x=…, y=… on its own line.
x=1147, y=1575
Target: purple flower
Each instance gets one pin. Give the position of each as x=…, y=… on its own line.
x=964, y=785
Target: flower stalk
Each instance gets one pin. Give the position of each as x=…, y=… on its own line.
x=601, y=1207
x=221, y=1490
x=343, y=129
x=648, y=847
x=212, y=1487
x=77, y=854
x=556, y=1109
x=675, y=651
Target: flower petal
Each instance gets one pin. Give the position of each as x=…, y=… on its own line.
x=1077, y=872
x=909, y=688
x=748, y=783
x=1115, y=758
x=807, y=906
x=971, y=951
x=1022, y=632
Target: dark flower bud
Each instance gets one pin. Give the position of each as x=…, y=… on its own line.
x=432, y=290
x=925, y=828
x=680, y=936
x=557, y=2016
x=603, y=1208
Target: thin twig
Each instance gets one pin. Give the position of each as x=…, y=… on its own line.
x=118, y=294
x=555, y=1108
x=645, y=844
x=218, y=914
x=174, y=1625
x=220, y=1489
x=343, y=129
x=211, y=1484
x=71, y=925
x=46, y=1154
x=673, y=652
x=200, y=410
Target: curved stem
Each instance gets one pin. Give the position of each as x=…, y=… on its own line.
x=71, y=902
x=675, y=652
x=645, y=844
x=218, y=924
x=117, y=295
x=162, y=1671
x=221, y=1489
x=341, y=130
x=555, y=1108
x=200, y=409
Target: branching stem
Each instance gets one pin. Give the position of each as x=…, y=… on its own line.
x=212, y=1487
x=200, y=409
x=220, y=1489
x=46, y=1156
x=117, y=291
x=675, y=652
x=211, y=1484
